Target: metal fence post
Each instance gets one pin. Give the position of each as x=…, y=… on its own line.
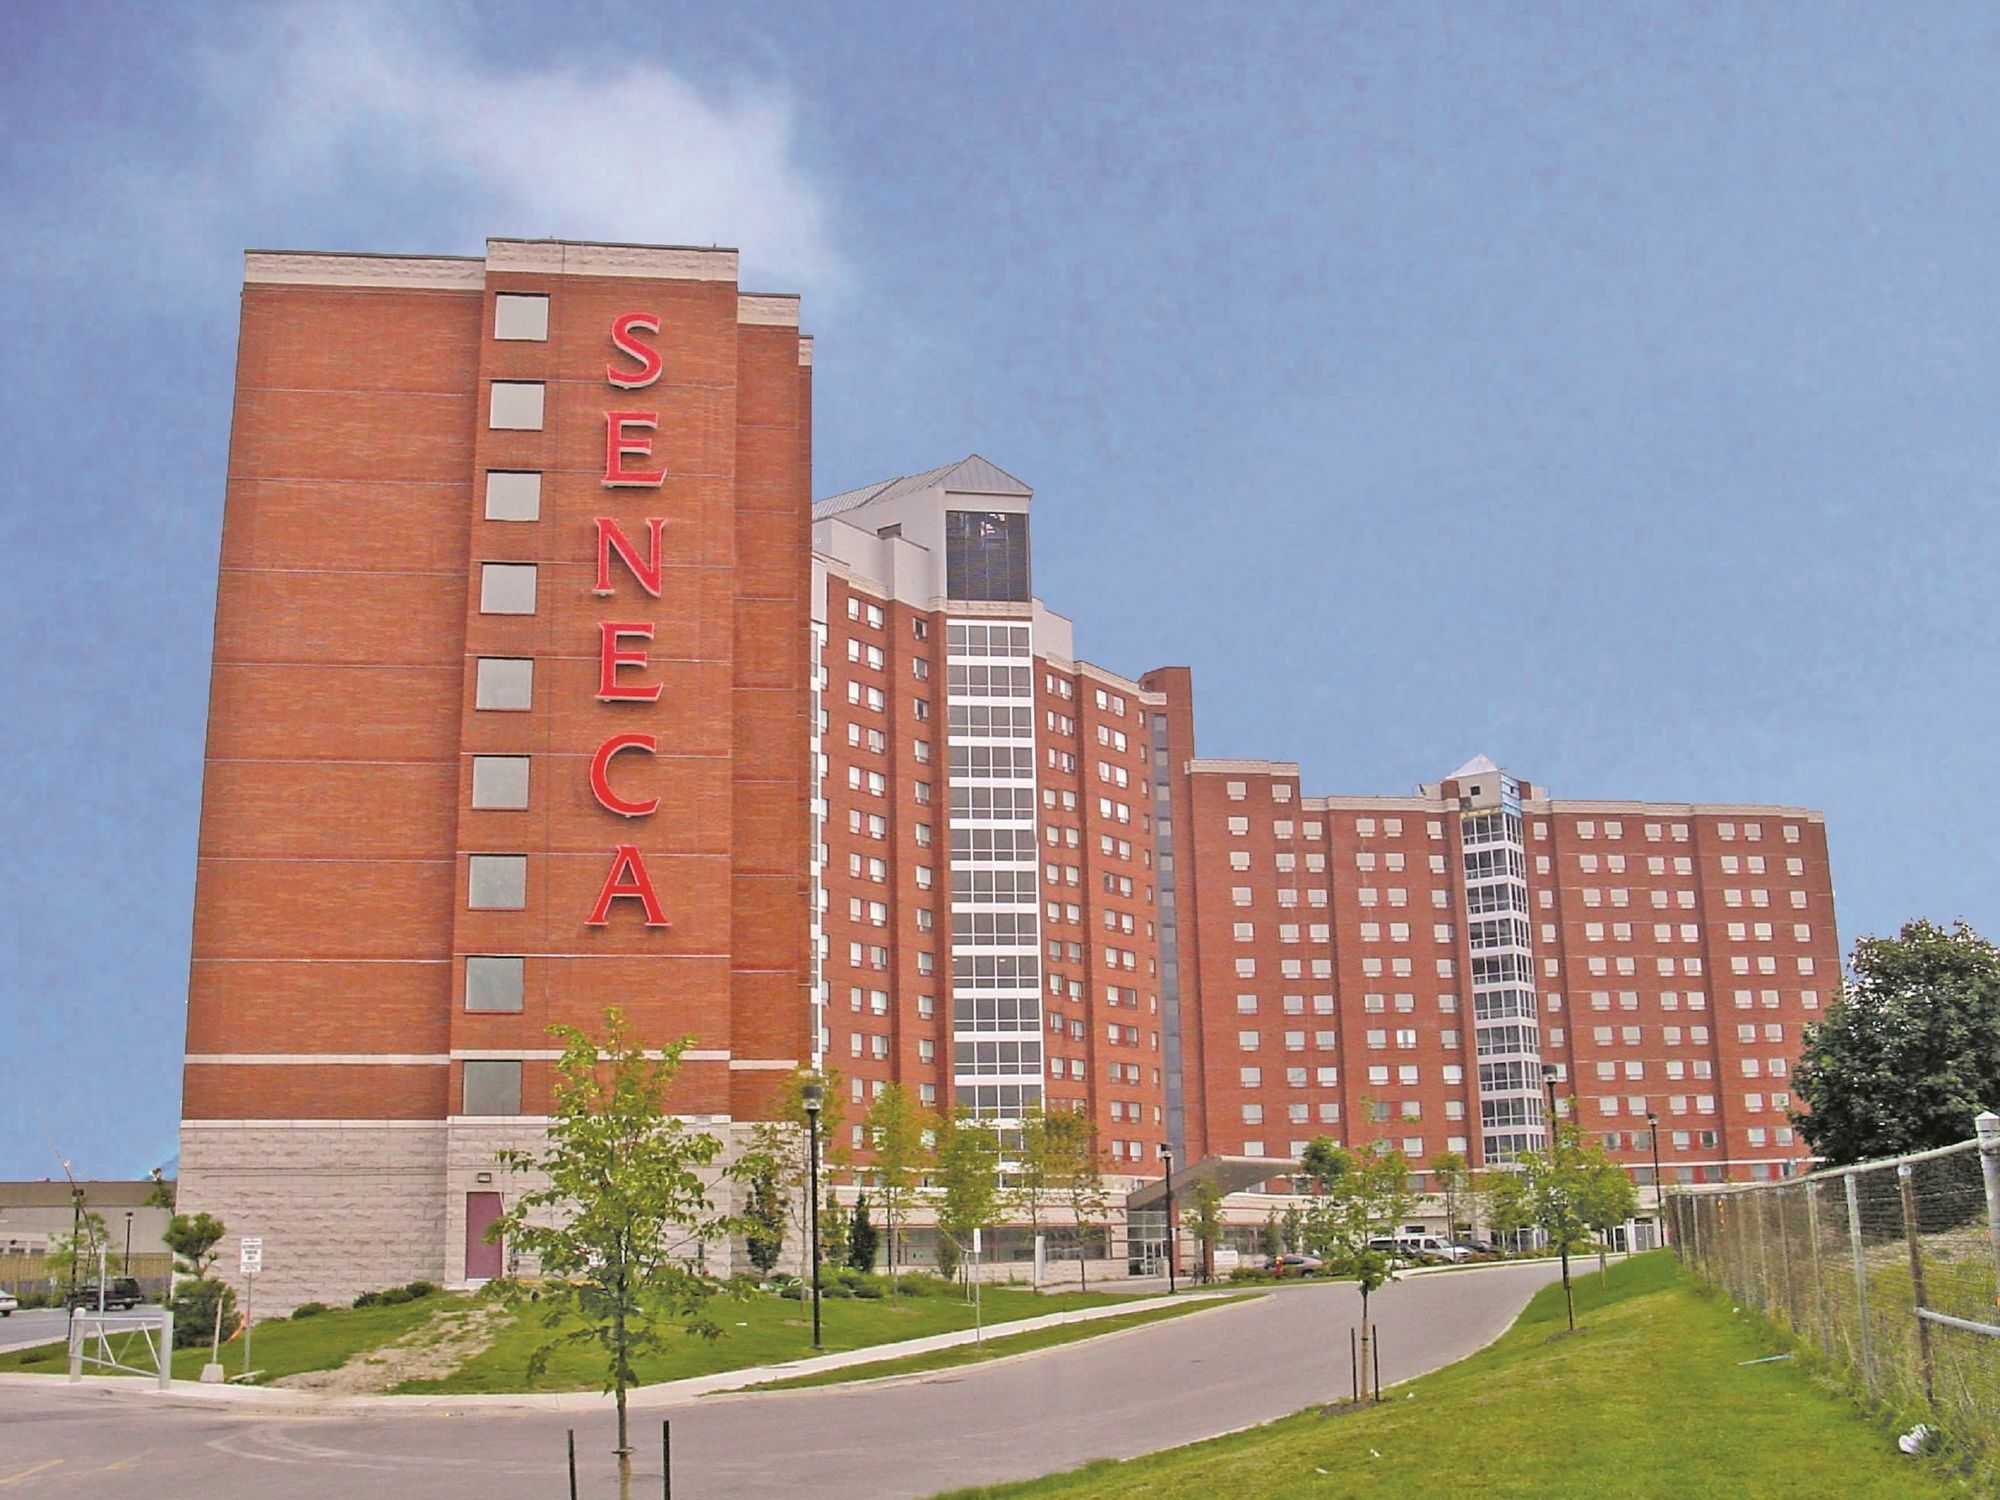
x=1988, y=1126
x=1918, y=1294
x=1860, y=1281
x=1821, y=1323
x=1783, y=1195
x=1764, y=1303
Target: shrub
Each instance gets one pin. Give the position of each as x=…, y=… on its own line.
x=308, y=1310
x=836, y=1289
x=418, y=1290
x=795, y=1292
x=923, y=1284
x=870, y=1288
x=194, y=1311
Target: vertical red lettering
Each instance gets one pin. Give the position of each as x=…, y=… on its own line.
x=611, y=656
x=621, y=444
x=611, y=539
x=627, y=878
x=600, y=776
x=623, y=330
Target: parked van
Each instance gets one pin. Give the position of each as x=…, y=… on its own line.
x=1420, y=1248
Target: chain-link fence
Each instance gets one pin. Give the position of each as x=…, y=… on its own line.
x=1891, y=1268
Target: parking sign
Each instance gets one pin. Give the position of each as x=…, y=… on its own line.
x=253, y=1255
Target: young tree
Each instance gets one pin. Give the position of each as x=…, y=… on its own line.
x=968, y=1169
x=622, y=1201
x=1368, y=1198
x=785, y=1140
x=69, y=1254
x=1033, y=1191
x=902, y=1134
x=763, y=1213
x=1909, y=1051
x=197, y=1303
x=833, y=1234
x=1608, y=1199
x=1068, y=1166
x=162, y=1195
x=1205, y=1216
x=193, y=1238
x=1271, y=1238
x=1451, y=1179
x=1293, y=1228
x=1559, y=1191
x=861, y=1237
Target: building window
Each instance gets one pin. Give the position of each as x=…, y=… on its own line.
x=516, y=406
x=504, y=682
x=493, y=983
x=521, y=316
x=500, y=781
x=513, y=495
x=492, y=1087
x=986, y=555
x=497, y=882
x=506, y=588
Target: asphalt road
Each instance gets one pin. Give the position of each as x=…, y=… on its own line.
x=1114, y=1397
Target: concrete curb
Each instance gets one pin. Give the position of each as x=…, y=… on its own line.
x=641, y=1398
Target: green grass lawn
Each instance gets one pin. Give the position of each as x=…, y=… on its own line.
x=761, y=1329
x=278, y=1347
x=993, y=1348
x=1650, y=1398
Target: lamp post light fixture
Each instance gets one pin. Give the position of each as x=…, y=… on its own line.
x=75, y=1234
x=814, y=1096
x=1659, y=1185
x=1167, y=1159
x=128, y=1242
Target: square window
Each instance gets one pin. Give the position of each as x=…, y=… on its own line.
x=516, y=406
x=493, y=983
x=513, y=495
x=504, y=682
x=521, y=315
x=497, y=882
x=492, y=1087
x=500, y=781
x=506, y=588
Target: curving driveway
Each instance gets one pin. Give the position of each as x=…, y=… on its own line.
x=1128, y=1393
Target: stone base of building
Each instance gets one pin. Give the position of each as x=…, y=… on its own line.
x=344, y=1207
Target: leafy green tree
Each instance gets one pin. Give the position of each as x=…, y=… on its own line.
x=1561, y=1192
x=74, y=1255
x=834, y=1223
x=763, y=1214
x=622, y=1206
x=1271, y=1238
x=162, y=1195
x=1452, y=1181
x=1368, y=1197
x=1608, y=1200
x=1909, y=1051
x=903, y=1135
x=784, y=1141
x=968, y=1169
x=861, y=1237
x=1319, y=1164
x=1060, y=1165
x=193, y=1238
x=1293, y=1228
x=1205, y=1218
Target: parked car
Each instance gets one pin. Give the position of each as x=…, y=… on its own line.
x=122, y=1293
x=1420, y=1248
x=8, y=1302
x=1473, y=1246
x=1294, y=1265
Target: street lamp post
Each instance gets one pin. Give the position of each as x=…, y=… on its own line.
x=1659, y=1186
x=1559, y=1193
x=813, y=1098
x=128, y=1242
x=1167, y=1157
x=75, y=1233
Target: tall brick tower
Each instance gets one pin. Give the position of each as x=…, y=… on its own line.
x=509, y=723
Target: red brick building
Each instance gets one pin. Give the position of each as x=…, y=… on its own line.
x=541, y=686
x=507, y=725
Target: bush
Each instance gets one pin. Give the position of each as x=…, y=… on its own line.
x=393, y=1296
x=417, y=1290
x=871, y=1288
x=836, y=1289
x=194, y=1312
x=795, y=1291
x=923, y=1284
x=1251, y=1276
x=308, y=1310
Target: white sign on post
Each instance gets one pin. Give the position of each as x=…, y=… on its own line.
x=253, y=1255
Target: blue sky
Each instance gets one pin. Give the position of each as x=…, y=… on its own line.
x=1610, y=389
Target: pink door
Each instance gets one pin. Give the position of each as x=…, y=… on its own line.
x=482, y=1257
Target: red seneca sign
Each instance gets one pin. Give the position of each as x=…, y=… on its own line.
x=628, y=451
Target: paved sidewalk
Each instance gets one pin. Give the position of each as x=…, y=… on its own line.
x=640, y=1398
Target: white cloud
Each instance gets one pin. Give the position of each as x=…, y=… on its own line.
x=334, y=128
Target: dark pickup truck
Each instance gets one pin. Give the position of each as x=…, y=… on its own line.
x=122, y=1293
